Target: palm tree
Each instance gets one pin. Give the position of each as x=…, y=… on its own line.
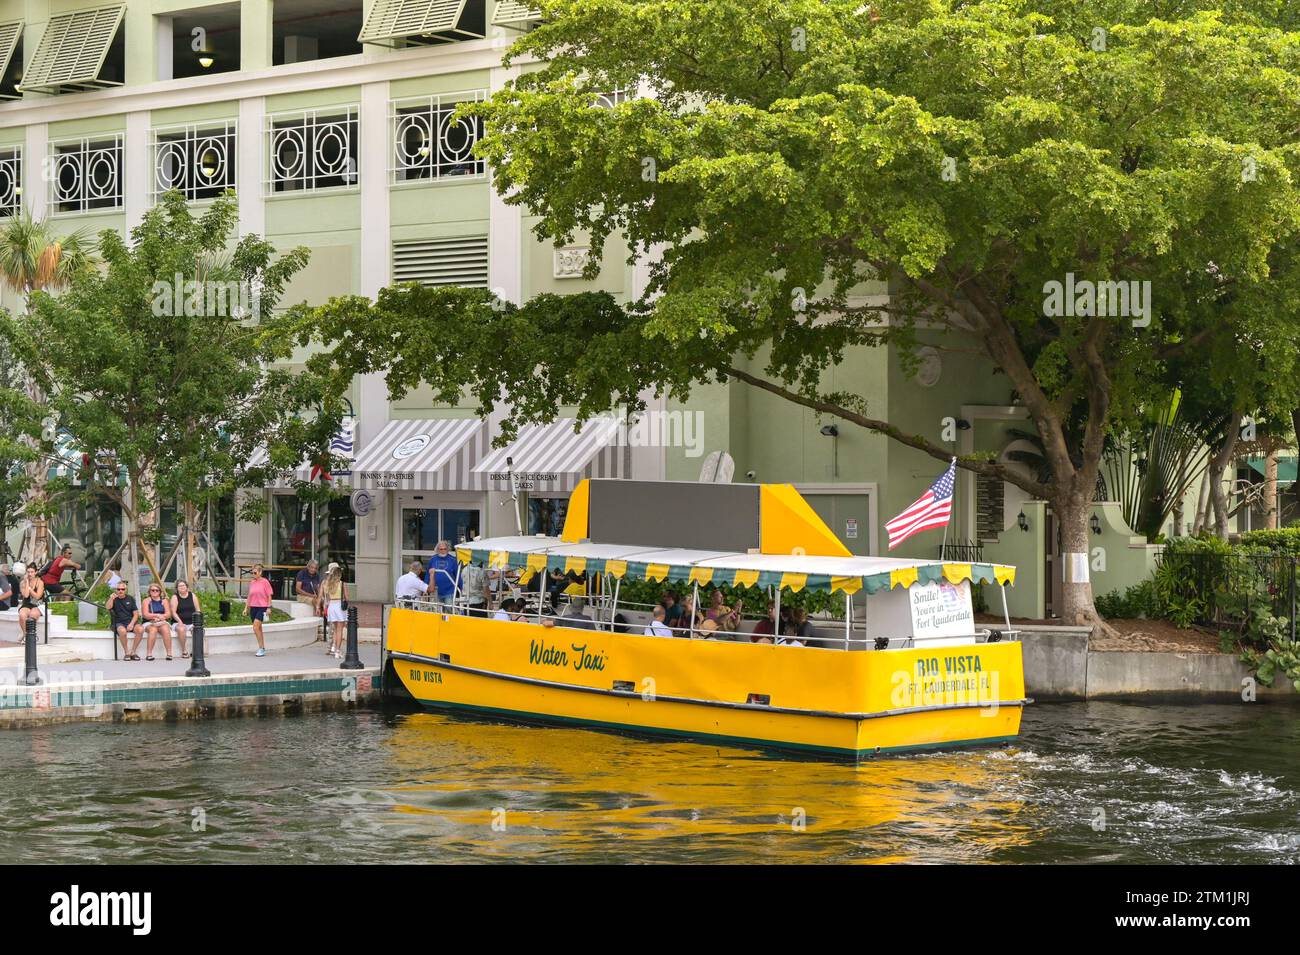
x=34, y=259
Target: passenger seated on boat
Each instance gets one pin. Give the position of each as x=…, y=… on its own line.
x=686, y=617
x=721, y=614
x=672, y=608
x=508, y=610
x=657, y=627
x=707, y=630
x=548, y=620
x=573, y=615
x=765, y=629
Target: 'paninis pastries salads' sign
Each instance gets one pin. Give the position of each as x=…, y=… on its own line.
x=942, y=609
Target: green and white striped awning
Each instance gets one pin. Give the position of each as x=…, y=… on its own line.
x=788, y=571
x=72, y=50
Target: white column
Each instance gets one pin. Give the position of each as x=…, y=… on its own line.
x=35, y=187
x=505, y=225
x=250, y=167
x=162, y=40
x=374, y=558
x=376, y=240
x=137, y=176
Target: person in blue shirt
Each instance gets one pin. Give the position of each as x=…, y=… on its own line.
x=444, y=572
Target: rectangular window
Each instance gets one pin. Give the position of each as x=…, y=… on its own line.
x=199, y=161
x=204, y=41
x=312, y=150
x=11, y=181
x=86, y=174
x=301, y=531
x=306, y=30
x=430, y=142
x=546, y=515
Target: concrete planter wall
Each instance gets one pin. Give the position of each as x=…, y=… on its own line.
x=98, y=644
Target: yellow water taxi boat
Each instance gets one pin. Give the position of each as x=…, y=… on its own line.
x=904, y=667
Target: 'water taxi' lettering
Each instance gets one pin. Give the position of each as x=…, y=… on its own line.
x=539, y=652
x=588, y=661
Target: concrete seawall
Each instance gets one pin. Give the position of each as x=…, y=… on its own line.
x=1060, y=665
x=114, y=691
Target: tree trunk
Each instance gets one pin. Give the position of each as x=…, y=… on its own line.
x=191, y=541
x=1270, y=490
x=1222, y=457
x=1072, y=513
x=1202, y=502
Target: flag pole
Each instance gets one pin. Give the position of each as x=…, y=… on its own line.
x=943, y=548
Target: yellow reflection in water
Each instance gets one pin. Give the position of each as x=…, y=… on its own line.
x=486, y=790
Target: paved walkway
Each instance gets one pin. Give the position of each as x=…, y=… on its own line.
x=298, y=660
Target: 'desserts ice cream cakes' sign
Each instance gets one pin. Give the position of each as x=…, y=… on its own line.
x=941, y=609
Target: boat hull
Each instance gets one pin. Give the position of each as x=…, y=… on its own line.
x=817, y=702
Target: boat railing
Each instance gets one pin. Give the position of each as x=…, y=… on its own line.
x=841, y=641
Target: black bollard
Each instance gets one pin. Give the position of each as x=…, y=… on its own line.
x=352, y=658
x=29, y=640
x=197, y=667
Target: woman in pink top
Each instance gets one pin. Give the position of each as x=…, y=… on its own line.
x=258, y=605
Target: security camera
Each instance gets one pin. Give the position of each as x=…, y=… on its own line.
x=751, y=474
x=830, y=431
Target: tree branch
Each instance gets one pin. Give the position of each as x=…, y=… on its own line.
x=975, y=465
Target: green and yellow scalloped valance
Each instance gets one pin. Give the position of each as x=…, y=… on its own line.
x=690, y=574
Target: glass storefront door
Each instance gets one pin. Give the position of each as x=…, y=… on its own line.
x=423, y=527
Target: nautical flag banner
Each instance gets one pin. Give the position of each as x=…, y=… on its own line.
x=931, y=509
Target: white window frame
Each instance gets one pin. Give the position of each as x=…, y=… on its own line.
x=321, y=124
x=430, y=118
x=86, y=159
x=11, y=180
x=615, y=97
x=187, y=144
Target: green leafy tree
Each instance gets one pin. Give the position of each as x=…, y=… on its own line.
x=969, y=154
x=169, y=368
x=34, y=258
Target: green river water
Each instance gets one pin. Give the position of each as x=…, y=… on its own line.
x=1086, y=782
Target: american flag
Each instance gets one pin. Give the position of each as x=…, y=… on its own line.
x=931, y=509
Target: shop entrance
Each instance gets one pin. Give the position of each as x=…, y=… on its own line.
x=420, y=528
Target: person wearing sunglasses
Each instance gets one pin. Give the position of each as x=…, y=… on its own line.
x=158, y=620
x=125, y=616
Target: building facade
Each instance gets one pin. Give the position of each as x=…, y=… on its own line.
x=332, y=122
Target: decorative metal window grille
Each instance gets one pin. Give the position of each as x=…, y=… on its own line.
x=9, y=34
x=512, y=13
x=312, y=150
x=429, y=142
x=619, y=94
x=11, y=181
x=416, y=22
x=72, y=50
x=86, y=174
x=199, y=161
x=461, y=261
